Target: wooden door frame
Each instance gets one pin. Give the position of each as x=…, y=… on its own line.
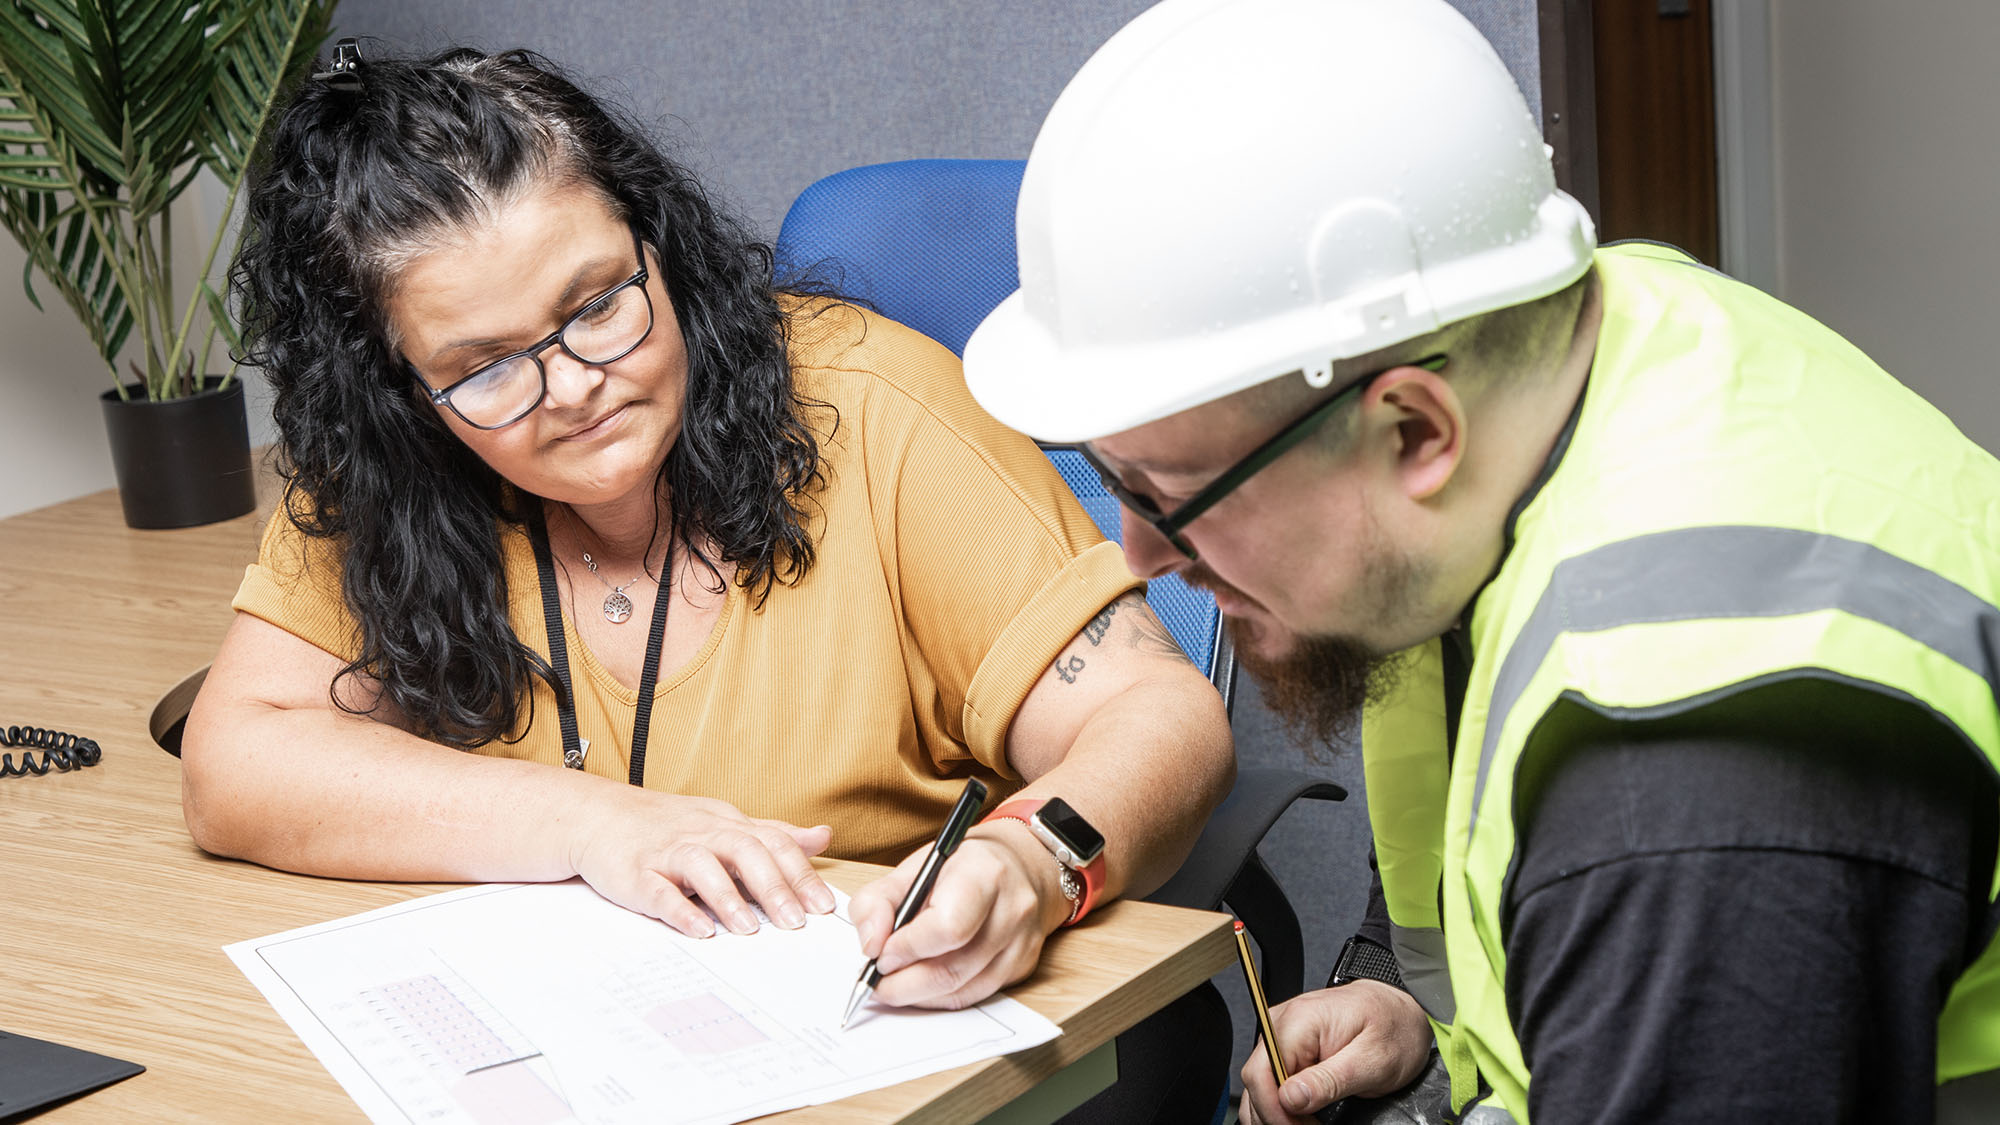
x=1569, y=96
x=1745, y=131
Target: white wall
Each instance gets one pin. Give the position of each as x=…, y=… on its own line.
x=1887, y=126
x=52, y=443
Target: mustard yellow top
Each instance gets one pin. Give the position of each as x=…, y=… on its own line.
x=953, y=565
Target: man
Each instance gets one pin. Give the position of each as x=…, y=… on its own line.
x=1674, y=615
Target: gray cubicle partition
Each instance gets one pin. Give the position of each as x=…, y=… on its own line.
x=766, y=97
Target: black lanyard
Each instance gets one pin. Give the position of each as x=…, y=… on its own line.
x=642, y=719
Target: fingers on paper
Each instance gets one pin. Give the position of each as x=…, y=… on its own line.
x=759, y=871
x=718, y=868
x=807, y=884
x=701, y=874
x=661, y=898
x=797, y=883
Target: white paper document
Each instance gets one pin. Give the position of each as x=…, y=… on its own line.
x=529, y=1004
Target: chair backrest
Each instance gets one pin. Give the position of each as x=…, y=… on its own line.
x=930, y=243
x=927, y=243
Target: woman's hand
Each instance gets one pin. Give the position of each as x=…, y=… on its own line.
x=654, y=853
x=996, y=900
x=1363, y=1039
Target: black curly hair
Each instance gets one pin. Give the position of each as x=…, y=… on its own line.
x=354, y=183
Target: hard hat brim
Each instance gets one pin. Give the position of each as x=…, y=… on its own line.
x=1029, y=381
x=1066, y=391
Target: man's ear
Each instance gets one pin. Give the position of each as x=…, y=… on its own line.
x=1428, y=419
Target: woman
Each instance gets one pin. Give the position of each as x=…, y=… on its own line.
x=532, y=387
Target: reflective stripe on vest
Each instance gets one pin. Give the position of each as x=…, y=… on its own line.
x=1738, y=572
x=1420, y=956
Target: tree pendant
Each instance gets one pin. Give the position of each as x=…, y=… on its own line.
x=617, y=607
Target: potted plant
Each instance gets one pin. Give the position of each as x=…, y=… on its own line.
x=109, y=109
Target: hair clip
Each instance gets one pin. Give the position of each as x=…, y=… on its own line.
x=343, y=72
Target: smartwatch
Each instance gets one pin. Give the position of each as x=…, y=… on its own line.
x=1361, y=959
x=1078, y=848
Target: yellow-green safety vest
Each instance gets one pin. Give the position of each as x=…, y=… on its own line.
x=1744, y=496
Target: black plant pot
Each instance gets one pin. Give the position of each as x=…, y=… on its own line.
x=184, y=461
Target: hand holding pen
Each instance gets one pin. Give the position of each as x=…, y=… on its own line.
x=955, y=827
x=1273, y=1053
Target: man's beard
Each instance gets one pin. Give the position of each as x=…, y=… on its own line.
x=1319, y=688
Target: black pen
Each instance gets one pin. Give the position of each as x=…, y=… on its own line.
x=955, y=827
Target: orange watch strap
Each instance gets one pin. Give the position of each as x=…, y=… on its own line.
x=1091, y=873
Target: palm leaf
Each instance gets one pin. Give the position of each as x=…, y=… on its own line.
x=45, y=51
x=108, y=110
x=260, y=48
x=59, y=245
x=36, y=171
x=25, y=161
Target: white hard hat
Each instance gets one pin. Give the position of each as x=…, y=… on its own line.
x=1233, y=190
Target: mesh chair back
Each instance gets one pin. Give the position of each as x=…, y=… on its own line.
x=927, y=243
x=1189, y=614
x=930, y=243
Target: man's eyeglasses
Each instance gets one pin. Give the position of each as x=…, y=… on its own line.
x=1169, y=524
x=604, y=331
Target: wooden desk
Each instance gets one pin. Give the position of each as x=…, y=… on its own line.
x=112, y=922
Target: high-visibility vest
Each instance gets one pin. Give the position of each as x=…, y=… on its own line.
x=1744, y=497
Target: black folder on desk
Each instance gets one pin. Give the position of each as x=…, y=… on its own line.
x=36, y=1073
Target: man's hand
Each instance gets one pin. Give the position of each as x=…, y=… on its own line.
x=997, y=899
x=1363, y=1039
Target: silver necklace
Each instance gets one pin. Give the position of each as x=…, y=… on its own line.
x=617, y=607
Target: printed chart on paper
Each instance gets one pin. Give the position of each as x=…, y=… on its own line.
x=533, y=1004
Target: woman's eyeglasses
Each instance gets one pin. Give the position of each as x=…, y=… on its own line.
x=604, y=331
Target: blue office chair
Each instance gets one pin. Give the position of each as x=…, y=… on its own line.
x=930, y=243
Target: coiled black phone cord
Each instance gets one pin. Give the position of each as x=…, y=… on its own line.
x=60, y=752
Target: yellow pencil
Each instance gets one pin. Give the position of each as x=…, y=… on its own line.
x=1257, y=1001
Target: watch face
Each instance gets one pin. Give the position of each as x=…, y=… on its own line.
x=1066, y=825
